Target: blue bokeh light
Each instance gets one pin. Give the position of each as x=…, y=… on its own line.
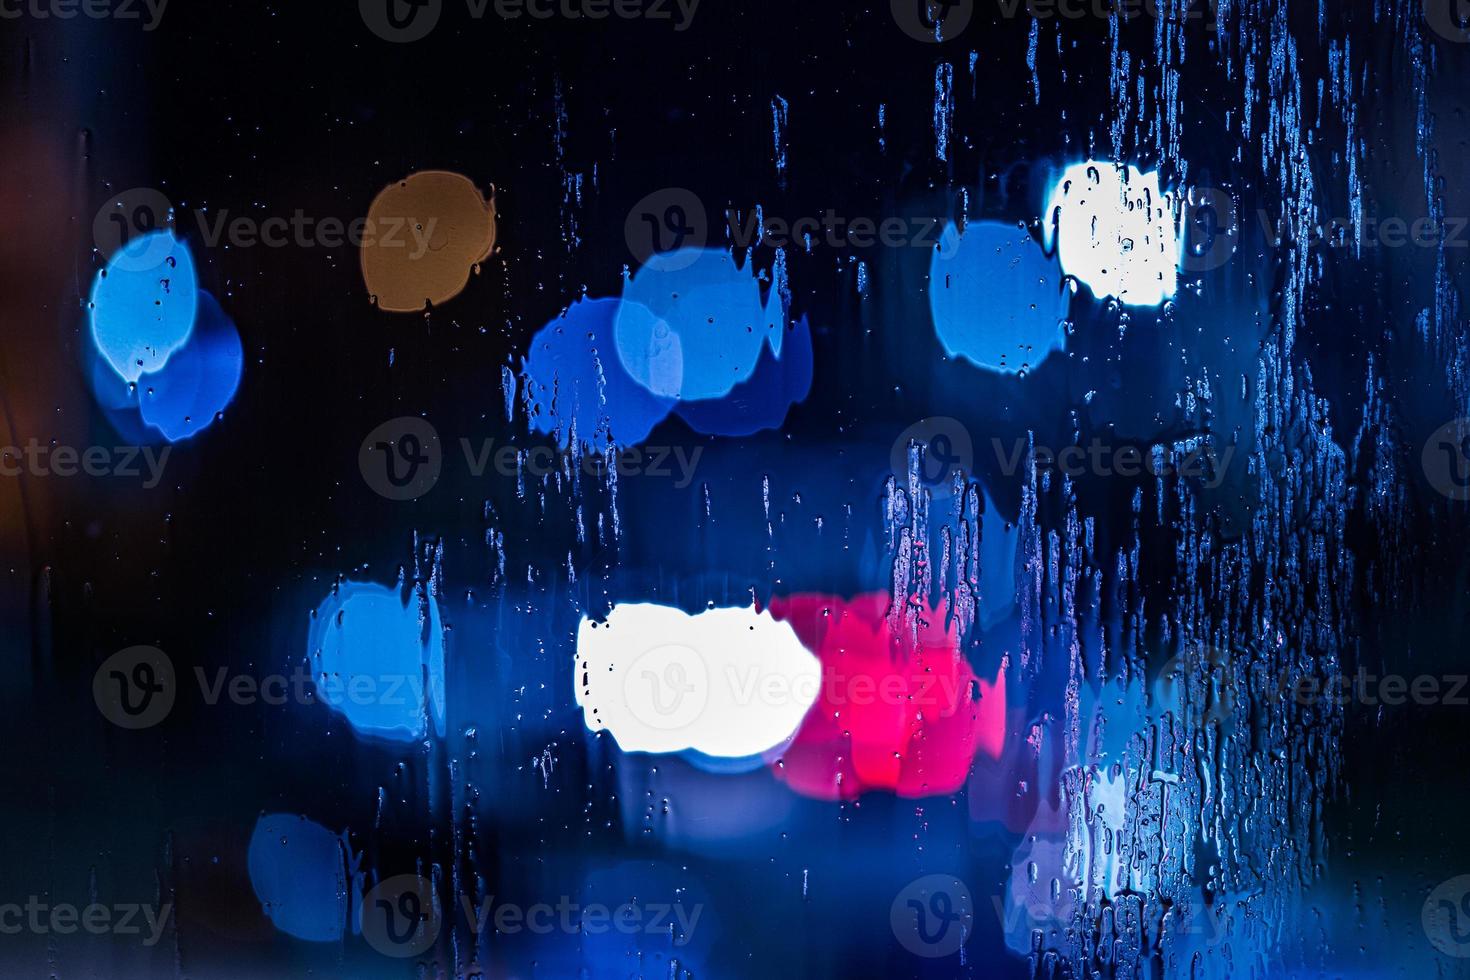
x=707, y=324
x=996, y=297
x=378, y=660
x=143, y=304
x=574, y=378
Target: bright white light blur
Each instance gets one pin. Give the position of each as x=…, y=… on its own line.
x=1114, y=230
x=728, y=682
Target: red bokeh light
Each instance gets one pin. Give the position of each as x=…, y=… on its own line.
x=899, y=710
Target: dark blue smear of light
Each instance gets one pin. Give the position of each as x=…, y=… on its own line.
x=575, y=379
x=299, y=872
x=762, y=401
x=200, y=379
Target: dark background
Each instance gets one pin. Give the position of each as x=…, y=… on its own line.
x=262, y=109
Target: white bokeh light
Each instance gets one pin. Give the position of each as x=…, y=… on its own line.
x=730, y=683
x=1114, y=230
